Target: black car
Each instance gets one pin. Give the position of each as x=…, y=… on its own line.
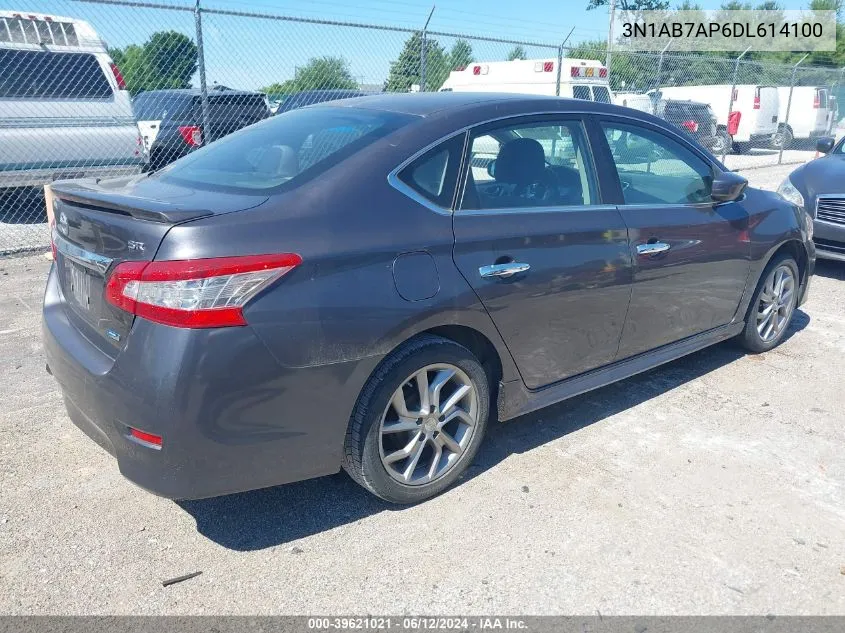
x=171, y=121
x=351, y=285
x=694, y=119
x=819, y=187
x=310, y=97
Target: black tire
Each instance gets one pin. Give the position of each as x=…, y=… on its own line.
x=750, y=338
x=721, y=143
x=741, y=148
x=362, y=458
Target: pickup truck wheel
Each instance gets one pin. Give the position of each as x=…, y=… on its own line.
x=418, y=422
x=783, y=138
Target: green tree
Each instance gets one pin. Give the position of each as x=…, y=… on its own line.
x=405, y=71
x=461, y=55
x=167, y=60
x=324, y=73
x=517, y=52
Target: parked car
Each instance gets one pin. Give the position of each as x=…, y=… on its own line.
x=746, y=115
x=310, y=97
x=575, y=78
x=171, y=121
x=810, y=114
x=64, y=108
x=335, y=287
x=819, y=187
x=693, y=118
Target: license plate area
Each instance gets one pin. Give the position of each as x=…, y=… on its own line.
x=78, y=284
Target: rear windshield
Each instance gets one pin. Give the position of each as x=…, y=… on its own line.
x=46, y=75
x=159, y=106
x=692, y=110
x=237, y=105
x=284, y=151
x=601, y=94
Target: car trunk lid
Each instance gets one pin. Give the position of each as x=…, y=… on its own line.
x=98, y=225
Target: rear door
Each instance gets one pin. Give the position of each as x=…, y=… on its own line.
x=766, y=107
x=546, y=256
x=821, y=107
x=691, y=256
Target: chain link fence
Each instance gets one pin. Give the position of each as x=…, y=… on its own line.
x=176, y=75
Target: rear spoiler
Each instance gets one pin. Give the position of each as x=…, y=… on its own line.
x=88, y=194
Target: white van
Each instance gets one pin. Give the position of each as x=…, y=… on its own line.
x=579, y=78
x=809, y=114
x=754, y=114
x=64, y=108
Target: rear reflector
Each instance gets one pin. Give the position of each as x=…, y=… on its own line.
x=198, y=293
x=191, y=134
x=817, y=102
x=147, y=438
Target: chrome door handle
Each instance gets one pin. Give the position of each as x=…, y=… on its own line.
x=503, y=270
x=652, y=249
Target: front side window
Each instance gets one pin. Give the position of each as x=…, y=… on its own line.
x=283, y=151
x=654, y=169
x=530, y=165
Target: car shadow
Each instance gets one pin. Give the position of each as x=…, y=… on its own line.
x=830, y=269
x=271, y=517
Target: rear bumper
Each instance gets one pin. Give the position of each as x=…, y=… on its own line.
x=231, y=417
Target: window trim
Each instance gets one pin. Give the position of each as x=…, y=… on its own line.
x=613, y=177
x=514, y=120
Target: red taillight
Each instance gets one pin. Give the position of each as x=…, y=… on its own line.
x=476, y=70
x=118, y=77
x=147, y=438
x=548, y=67
x=757, y=99
x=733, y=122
x=191, y=134
x=692, y=126
x=817, y=102
x=198, y=293
x=602, y=72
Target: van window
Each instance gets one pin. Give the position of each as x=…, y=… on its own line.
x=283, y=152
x=601, y=94
x=46, y=75
x=581, y=92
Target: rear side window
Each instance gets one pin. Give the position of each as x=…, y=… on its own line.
x=47, y=75
x=283, y=151
x=601, y=94
x=434, y=174
x=581, y=92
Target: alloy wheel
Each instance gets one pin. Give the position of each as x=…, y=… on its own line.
x=428, y=424
x=777, y=301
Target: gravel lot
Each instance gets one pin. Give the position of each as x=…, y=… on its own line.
x=713, y=485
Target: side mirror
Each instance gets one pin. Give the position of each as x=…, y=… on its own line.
x=491, y=168
x=825, y=144
x=728, y=186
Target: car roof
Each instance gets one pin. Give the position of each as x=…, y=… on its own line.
x=428, y=103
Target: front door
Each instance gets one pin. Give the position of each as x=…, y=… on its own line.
x=549, y=261
x=691, y=255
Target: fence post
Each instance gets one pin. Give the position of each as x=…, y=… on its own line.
x=731, y=102
x=424, y=49
x=788, y=105
x=657, y=81
x=559, y=63
x=201, y=66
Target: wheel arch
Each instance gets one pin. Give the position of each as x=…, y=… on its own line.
x=791, y=246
